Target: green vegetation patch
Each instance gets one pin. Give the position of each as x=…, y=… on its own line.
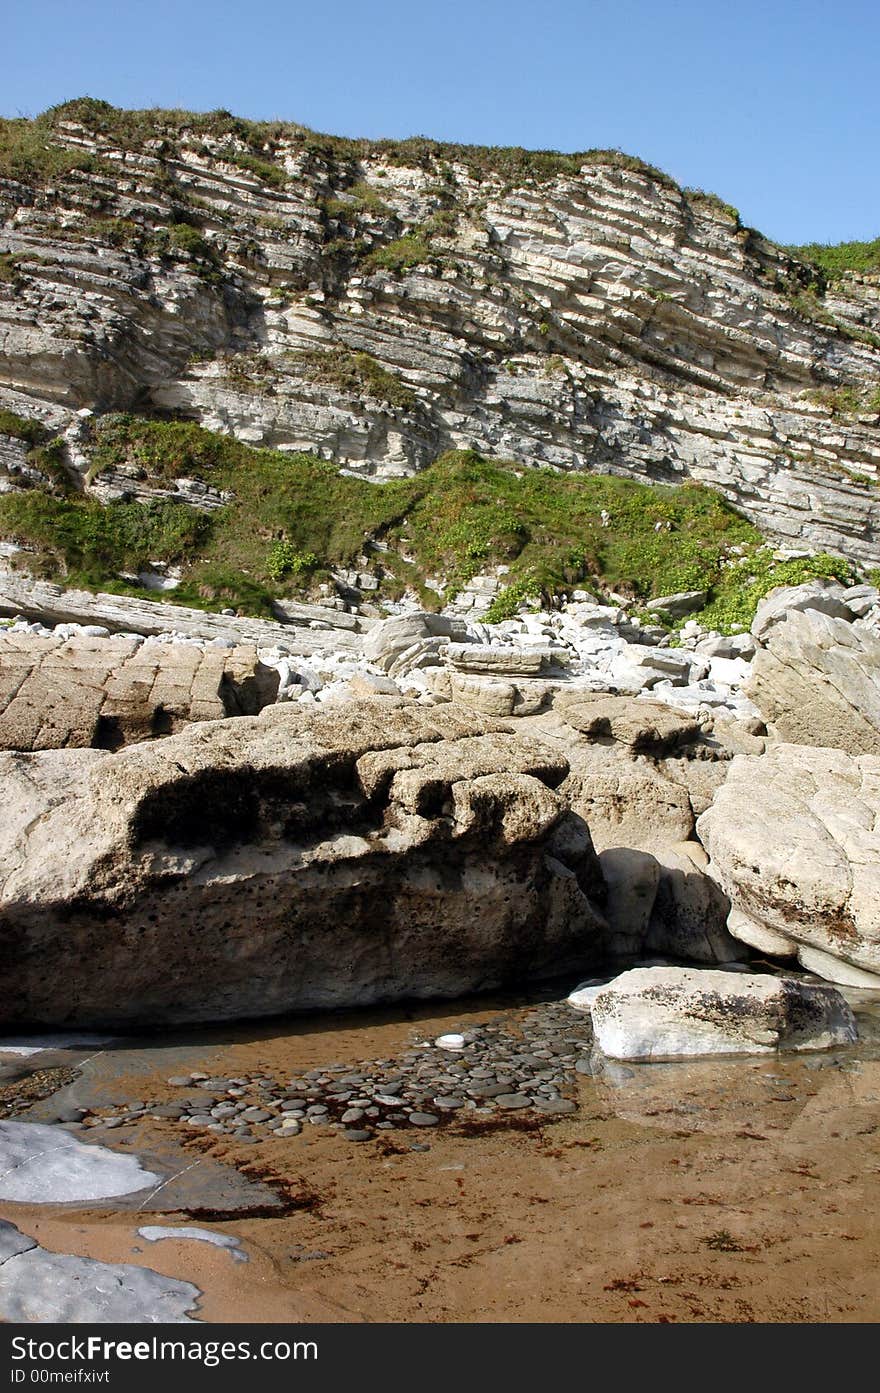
x=835, y=259
x=91, y=543
x=744, y=583
x=22, y=428
x=31, y=154
x=360, y=374
x=293, y=518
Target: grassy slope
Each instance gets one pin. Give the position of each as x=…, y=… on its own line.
x=294, y=517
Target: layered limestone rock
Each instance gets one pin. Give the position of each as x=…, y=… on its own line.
x=58, y=693
x=290, y=861
x=794, y=842
x=592, y=318
x=53, y=604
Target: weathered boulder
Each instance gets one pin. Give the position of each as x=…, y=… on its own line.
x=107, y=692
x=297, y=860
x=816, y=681
x=640, y=775
x=674, y=1013
x=794, y=841
x=641, y=727
x=685, y=602
x=388, y=641
x=819, y=596
x=503, y=661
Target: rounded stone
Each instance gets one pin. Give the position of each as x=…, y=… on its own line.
x=423, y=1119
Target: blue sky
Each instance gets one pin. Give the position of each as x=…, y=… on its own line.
x=770, y=103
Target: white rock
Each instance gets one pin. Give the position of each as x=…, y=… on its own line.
x=450, y=1042
x=674, y=1013
x=46, y=1165
x=154, y=1233
x=835, y=970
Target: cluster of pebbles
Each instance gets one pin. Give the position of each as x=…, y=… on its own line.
x=508, y=1066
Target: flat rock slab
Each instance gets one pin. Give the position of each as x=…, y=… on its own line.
x=53, y=604
x=47, y=1165
x=58, y=693
x=39, y=1286
x=674, y=1013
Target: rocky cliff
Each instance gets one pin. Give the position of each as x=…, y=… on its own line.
x=381, y=303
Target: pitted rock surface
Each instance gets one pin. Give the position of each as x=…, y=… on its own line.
x=295, y=860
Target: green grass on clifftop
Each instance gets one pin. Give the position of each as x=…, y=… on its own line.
x=835, y=260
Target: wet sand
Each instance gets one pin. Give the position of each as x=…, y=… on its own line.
x=725, y=1191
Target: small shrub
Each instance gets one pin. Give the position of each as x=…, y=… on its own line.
x=357, y=373
x=284, y=560
x=22, y=428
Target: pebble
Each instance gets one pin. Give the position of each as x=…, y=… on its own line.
x=356, y=1134
x=525, y=1060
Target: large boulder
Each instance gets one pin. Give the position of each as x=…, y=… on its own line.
x=816, y=681
x=641, y=773
x=298, y=860
x=393, y=642
x=674, y=1013
x=57, y=693
x=794, y=841
x=817, y=596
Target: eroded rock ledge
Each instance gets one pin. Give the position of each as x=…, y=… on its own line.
x=291, y=861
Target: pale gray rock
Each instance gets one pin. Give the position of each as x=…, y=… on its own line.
x=685, y=602
x=729, y=646
x=794, y=842
x=816, y=681
x=38, y=1286
x=861, y=599
x=820, y=596
x=231, y=869
x=673, y=1013
x=388, y=640
x=53, y=604
x=46, y=1165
